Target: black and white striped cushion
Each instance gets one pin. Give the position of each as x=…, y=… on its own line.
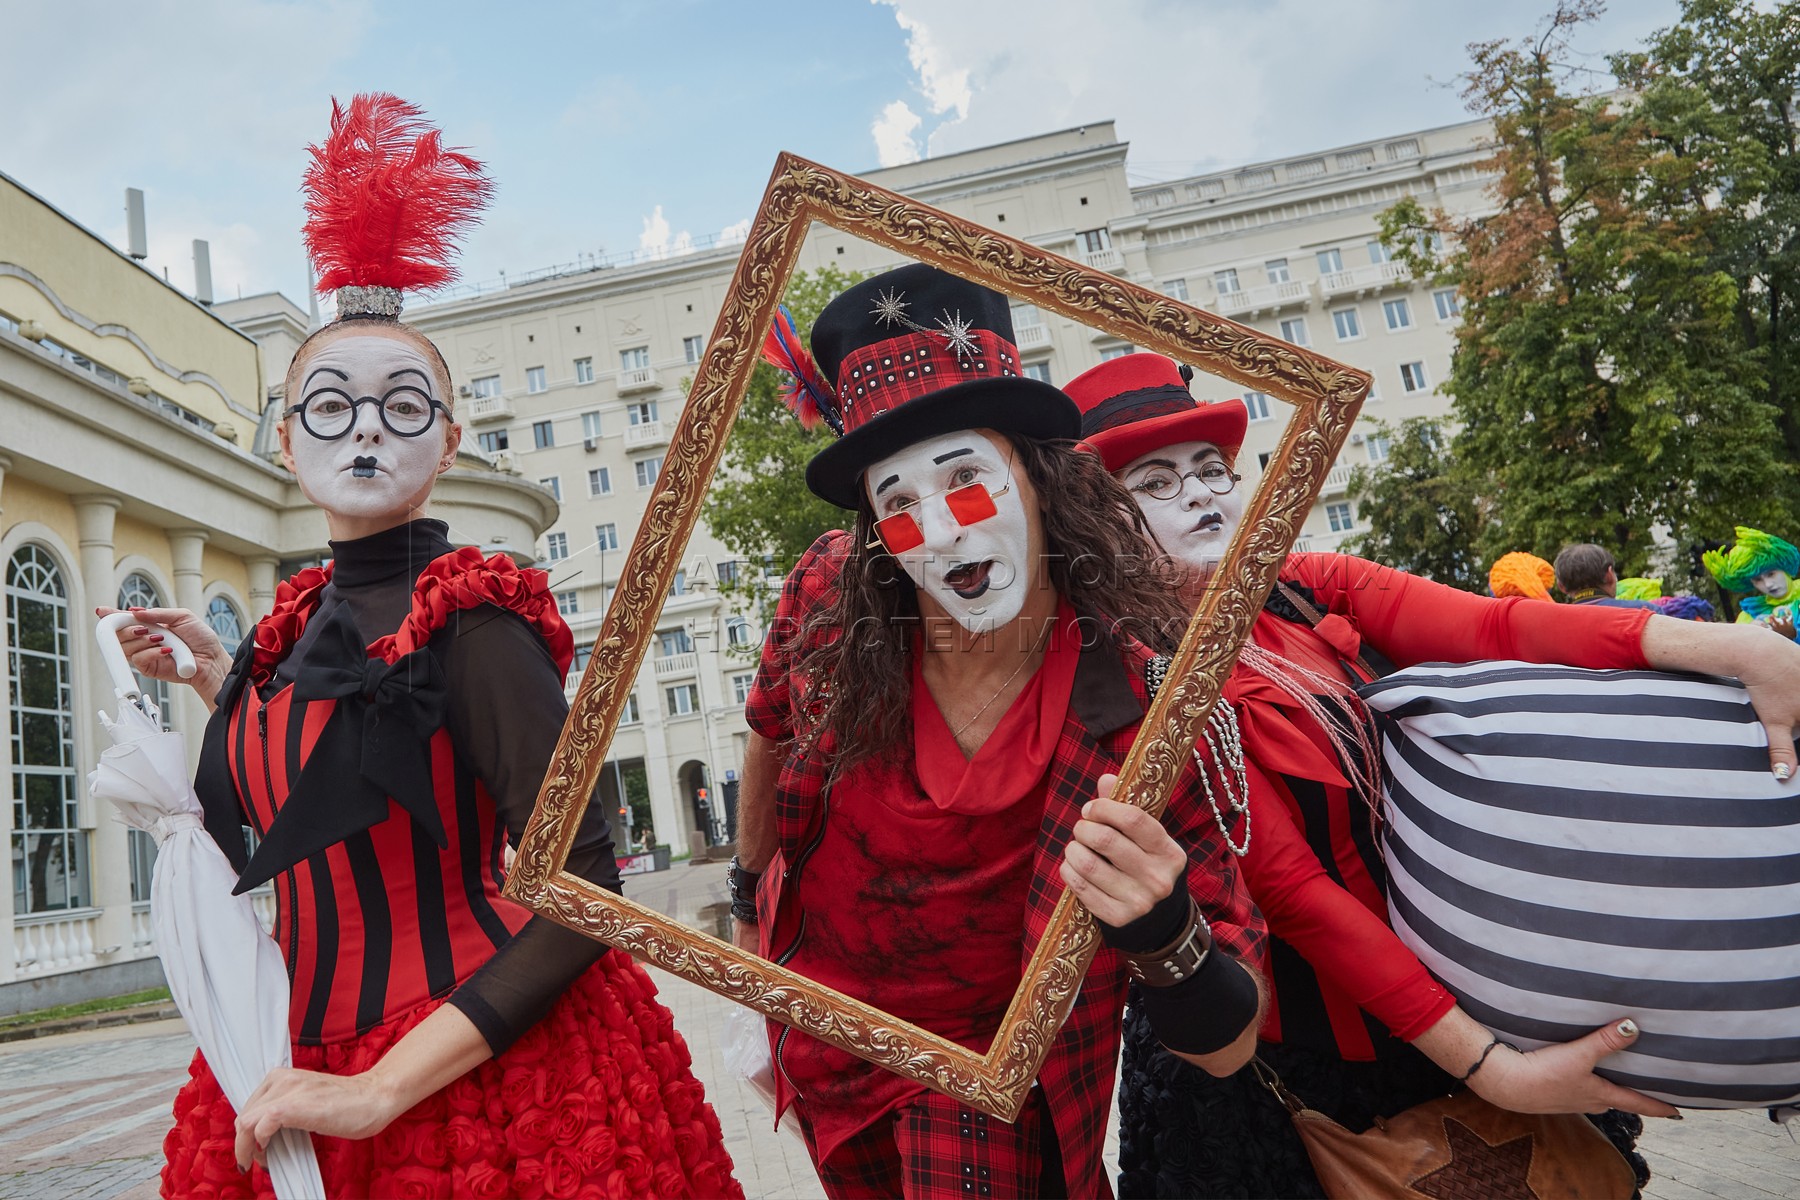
x=1567, y=847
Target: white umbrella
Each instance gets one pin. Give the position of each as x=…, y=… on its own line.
x=225, y=973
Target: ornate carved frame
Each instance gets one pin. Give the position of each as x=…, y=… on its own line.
x=1327, y=395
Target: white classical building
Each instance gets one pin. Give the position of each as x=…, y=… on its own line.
x=574, y=377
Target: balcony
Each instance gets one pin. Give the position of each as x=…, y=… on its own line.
x=1108, y=259
x=671, y=665
x=641, y=379
x=645, y=435
x=1033, y=337
x=490, y=408
x=1337, y=480
x=1267, y=298
x=1358, y=281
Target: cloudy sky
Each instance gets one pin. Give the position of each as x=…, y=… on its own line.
x=633, y=124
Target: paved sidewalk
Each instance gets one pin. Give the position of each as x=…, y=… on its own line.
x=82, y=1115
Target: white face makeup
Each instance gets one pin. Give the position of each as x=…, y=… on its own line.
x=1194, y=525
x=1773, y=583
x=980, y=573
x=370, y=478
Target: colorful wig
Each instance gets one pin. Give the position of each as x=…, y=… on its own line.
x=1684, y=608
x=1522, y=574
x=1754, y=553
x=1637, y=587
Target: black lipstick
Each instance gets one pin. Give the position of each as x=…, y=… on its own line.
x=363, y=466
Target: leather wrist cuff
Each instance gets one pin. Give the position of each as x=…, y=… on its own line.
x=1181, y=959
x=742, y=885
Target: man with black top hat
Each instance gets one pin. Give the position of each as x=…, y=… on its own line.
x=943, y=701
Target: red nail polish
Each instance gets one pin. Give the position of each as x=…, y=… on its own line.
x=167, y=650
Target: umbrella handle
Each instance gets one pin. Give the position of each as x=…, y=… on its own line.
x=113, y=654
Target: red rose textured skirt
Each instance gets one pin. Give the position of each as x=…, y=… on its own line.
x=597, y=1101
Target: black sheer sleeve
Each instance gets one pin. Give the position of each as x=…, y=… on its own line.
x=506, y=712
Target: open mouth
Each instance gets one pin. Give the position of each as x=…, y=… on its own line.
x=363, y=466
x=970, y=580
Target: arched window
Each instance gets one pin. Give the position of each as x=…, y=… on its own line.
x=49, y=848
x=223, y=616
x=138, y=592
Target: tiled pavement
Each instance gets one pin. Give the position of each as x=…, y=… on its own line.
x=82, y=1115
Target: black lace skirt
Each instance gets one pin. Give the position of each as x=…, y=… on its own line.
x=1184, y=1133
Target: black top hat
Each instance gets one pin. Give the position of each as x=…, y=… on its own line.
x=917, y=352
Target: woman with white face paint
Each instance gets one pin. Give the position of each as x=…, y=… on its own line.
x=944, y=698
x=384, y=733
x=1357, y=1027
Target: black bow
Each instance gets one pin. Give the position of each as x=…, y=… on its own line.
x=375, y=745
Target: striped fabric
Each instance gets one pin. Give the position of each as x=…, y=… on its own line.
x=1567, y=847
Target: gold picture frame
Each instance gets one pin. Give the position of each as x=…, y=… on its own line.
x=1327, y=396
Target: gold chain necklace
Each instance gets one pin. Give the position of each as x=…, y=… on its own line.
x=989, y=703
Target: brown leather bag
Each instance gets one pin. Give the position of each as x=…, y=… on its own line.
x=1460, y=1147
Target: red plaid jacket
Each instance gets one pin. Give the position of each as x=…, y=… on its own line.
x=1108, y=700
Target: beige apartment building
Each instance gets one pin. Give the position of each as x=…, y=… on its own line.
x=573, y=377
x=129, y=427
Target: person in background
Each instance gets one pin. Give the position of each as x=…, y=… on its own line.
x=1587, y=574
x=1523, y=575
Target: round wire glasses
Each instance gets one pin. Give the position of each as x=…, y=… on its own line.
x=330, y=415
x=1165, y=484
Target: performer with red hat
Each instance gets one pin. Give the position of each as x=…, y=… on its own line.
x=384, y=733
x=942, y=701
x=1357, y=1028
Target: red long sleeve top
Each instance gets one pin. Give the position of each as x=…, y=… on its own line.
x=1312, y=840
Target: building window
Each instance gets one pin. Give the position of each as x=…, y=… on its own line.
x=49, y=848
x=1294, y=330
x=635, y=359
x=1225, y=282
x=678, y=585
x=1340, y=518
x=1398, y=313
x=1176, y=289
x=1277, y=270
x=1112, y=352
x=1412, y=377
x=534, y=380
x=558, y=544
x=568, y=603
x=740, y=687
x=728, y=571
x=494, y=441
x=1026, y=316
x=1039, y=371
x=692, y=348
x=222, y=615
x=738, y=633
x=647, y=470
x=600, y=481
x=584, y=372
x=683, y=699
x=1379, y=446
x=641, y=413
x=1330, y=261
x=485, y=385
x=1093, y=240
x=1378, y=253
x=671, y=642
x=631, y=714
x=1446, y=303
x=1346, y=324
x=554, y=484
x=543, y=433
x=1258, y=404
x=606, y=536
x=590, y=426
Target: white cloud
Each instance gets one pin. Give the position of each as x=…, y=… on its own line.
x=655, y=242
x=735, y=232
x=893, y=133
x=945, y=86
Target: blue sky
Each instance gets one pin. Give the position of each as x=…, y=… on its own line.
x=594, y=116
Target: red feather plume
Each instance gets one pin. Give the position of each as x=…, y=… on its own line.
x=386, y=201
x=807, y=393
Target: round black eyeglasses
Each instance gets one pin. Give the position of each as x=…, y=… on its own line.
x=1164, y=484
x=330, y=415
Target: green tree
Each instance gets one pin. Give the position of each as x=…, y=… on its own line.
x=1601, y=385
x=1421, y=506
x=759, y=505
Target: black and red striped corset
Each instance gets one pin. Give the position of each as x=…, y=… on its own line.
x=384, y=846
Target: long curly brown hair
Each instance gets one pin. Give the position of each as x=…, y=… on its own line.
x=855, y=665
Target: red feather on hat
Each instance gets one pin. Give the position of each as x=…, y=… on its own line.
x=807, y=393
x=386, y=200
